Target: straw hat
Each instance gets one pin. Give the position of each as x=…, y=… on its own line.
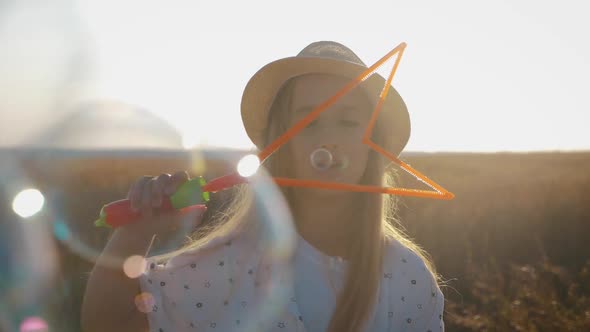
x=326, y=57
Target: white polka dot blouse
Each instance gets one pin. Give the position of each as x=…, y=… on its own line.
x=233, y=284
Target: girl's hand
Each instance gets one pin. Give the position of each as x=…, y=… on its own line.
x=147, y=192
x=146, y=195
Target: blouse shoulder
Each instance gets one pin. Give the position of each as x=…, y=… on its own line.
x=413, y=286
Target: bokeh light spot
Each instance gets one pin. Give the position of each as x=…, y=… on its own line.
x=248, y=165
x=28, y=202
x=34, y=324
x=134, y=266
x=144, y=302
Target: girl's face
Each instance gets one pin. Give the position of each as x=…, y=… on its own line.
x=341, y=127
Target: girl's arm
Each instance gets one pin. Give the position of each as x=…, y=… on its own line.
x=108, y=303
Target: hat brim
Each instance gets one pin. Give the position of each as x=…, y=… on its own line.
x=262, y=88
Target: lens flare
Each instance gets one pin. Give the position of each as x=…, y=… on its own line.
x=34, y=324
x=28, y=202
x=248, y=165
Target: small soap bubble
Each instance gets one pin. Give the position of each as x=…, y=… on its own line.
x=321, y=159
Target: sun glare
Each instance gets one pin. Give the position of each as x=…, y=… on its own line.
x=248, y=165
x=28, y=202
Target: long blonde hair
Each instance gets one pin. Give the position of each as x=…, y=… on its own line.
x=380, y=224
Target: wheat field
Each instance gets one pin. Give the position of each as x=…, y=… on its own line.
x=512, y=247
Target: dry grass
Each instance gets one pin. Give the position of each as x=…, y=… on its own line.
x=513, y=243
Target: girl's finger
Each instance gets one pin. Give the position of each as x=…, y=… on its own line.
x=176, y=180
x=135, y=194
x=146, y=198
x=130, y=192
x=158, y=189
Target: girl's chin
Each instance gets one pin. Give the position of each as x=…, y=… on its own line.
x=319, y=193
x=333, y=178
x=329, y=176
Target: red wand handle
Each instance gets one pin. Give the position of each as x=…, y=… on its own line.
x=119, y=212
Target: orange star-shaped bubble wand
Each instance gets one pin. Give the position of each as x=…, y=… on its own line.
x=194, y=193
x=438, y=191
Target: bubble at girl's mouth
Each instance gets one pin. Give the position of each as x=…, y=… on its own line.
x=325, y=158
x=321, y=159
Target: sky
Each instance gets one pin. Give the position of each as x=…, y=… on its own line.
x=476, y=76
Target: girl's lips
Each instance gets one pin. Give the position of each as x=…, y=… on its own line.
x=341, y=162
x=337, y=164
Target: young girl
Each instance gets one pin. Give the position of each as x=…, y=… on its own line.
x=352, y=270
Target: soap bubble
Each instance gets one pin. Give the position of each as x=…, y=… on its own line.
x=75, y=209
x=321, y=159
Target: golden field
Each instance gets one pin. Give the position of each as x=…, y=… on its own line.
x=513, y=246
